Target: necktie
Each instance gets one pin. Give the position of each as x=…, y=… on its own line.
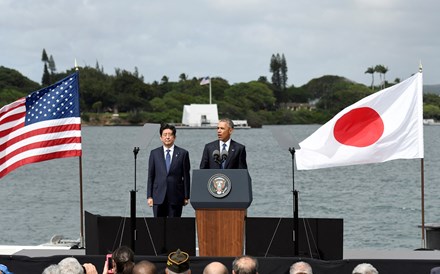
x=168, y=160
x=224, y=149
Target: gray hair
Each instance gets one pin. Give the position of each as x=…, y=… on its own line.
x=52, y=269
x=70, y=265
x=365, y=268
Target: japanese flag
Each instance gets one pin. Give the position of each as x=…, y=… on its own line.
x=384, y=126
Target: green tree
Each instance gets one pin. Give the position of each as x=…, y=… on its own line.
x=9, y=95
x=341, y=96
x=164, y=79
x=371, y=71
x=95, y=86
x=275, y=68
x=44, y=57
x=130, y=92
x=283, y=70
x=45, y=81
x=253, y=96
x=382, y=70
x=12, y=79
x=183, y=77
x=52, y=67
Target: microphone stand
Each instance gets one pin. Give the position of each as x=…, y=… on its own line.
x=133, y=205
x=295, y=206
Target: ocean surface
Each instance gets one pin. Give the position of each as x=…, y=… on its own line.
x=380, y=204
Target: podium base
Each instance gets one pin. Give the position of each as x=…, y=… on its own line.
x=220, y=232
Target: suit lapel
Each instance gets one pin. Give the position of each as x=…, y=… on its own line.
x=176, y=156
x=231, y=153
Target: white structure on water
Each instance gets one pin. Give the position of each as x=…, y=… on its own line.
x=200, y=115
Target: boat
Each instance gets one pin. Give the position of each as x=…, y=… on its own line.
x=430, y=122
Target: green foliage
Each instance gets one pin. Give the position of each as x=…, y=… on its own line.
x=278, y=67
x=253, y=96
x=9, y=95
x=431, y=112
x=431, y=98
x=44, y=57
x=12, y=79
x=45, y=80
x=138, y=102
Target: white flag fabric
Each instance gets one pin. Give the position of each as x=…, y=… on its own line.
x=384, y=126
x=205, y=81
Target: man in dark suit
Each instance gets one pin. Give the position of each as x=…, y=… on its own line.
x=236, y=153
x=168, y=185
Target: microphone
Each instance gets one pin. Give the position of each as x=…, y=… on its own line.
x=216, y=156
x=224, y=155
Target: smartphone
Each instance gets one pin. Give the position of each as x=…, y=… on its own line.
x=109, y=263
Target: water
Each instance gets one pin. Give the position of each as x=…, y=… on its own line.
x=380, y=203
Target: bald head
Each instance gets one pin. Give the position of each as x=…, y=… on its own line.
x=215, y=268
x=245, y=265
x=144, y=267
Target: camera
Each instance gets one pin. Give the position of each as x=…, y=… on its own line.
x=109, y=263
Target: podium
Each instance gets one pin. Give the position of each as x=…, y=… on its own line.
x=220, y=198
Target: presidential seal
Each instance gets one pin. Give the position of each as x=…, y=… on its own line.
x=219, y=185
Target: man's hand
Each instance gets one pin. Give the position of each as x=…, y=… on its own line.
x=150, y=202
x=90, y=268
x=185, y=202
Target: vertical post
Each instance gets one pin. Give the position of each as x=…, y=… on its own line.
x=133, y=219
x=133, y=205
x=81, y=233
x=295, y=206
x=210, y=92
x=81, y=203
x=423, y=201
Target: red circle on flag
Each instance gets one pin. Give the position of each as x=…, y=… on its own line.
x=359, y=127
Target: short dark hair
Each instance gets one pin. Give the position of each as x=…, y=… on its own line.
x=167, y=126
x=228, y=121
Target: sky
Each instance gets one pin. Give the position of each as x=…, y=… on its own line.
x=231, y=39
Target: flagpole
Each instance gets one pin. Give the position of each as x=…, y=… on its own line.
x=295, y=233
x=210, y=91
x=422, y=178
x=423, y=200
x=81, y=207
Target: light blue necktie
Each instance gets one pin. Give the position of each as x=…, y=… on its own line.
x=223, y=163
x=168, y=160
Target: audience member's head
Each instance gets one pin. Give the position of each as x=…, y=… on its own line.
x=52, y=269
x=144, y=267
x=300, y=268
x=365, y=268
x=245, y=265
x=70, y=265
x=215, y=268
x=178, y=262
x=123, y=257
x=4, y=269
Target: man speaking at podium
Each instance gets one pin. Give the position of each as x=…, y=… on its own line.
x=224, y=153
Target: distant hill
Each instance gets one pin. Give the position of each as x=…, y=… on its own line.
x=12, y=79
x=431, y=89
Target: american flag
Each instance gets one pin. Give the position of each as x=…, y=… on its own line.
x=43, y=126
x=205, y=80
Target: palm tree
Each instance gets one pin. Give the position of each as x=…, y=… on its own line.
x=384, y=71
x=370, y=70
x=381, y=69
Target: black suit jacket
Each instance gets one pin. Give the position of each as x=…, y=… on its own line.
x=236, y=156
x=176, y=184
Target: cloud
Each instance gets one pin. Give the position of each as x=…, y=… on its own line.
x=226, y=38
